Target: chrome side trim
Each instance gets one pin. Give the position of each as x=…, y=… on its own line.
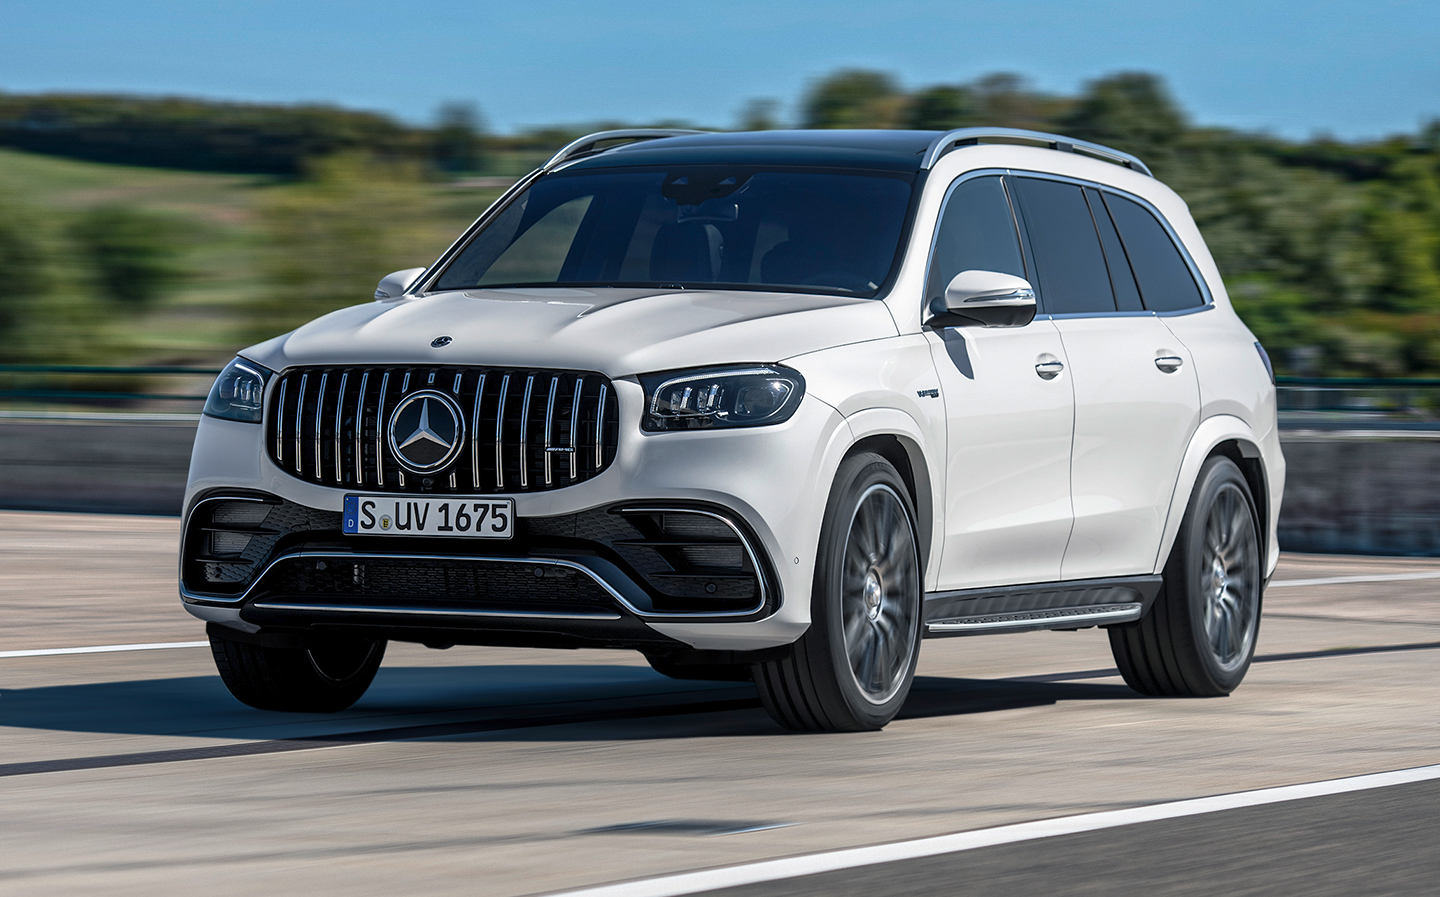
x=346, y=557
x=1094, y=615
x=436, y=612
x=739, y=534
x=953, y=140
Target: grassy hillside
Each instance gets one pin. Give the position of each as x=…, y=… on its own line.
x=222, y=248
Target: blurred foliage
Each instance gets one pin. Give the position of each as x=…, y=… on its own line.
x=131, y=255
x=1330, y=249
x=328, y=240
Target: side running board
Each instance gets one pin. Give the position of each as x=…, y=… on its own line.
x=1053, y=605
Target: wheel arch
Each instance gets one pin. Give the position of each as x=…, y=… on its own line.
x=1230, y=437
x=897, y=438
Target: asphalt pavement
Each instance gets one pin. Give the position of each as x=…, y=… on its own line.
x=511, y=772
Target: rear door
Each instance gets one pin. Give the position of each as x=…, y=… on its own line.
x=1137, y=400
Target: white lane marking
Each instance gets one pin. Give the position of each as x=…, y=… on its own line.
x=102, y=649
x=795, y=867
x=1373, y=577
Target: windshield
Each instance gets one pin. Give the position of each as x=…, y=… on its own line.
x=693, y=226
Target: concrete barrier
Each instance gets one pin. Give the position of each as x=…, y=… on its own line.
x=1352, y=492
x=125, y=464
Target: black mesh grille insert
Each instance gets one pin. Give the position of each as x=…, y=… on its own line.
x=469, y=584
x=520, y=430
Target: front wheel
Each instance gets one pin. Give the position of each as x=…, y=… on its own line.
x=852, y=669
x=326, y=677
x=1199, y=636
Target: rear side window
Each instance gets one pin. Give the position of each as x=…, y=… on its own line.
x=976, y=233
x=1073, y=278
x=1166, y=283
x=1127, y=294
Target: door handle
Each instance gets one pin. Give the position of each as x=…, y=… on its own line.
x=1169, y=363
x=1049, y=370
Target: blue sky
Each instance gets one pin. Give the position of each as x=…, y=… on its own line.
x=1353, y=69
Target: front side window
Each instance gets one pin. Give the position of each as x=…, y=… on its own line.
x=693, y=226
x=976, y=233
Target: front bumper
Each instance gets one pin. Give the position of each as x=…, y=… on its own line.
x=769, y=483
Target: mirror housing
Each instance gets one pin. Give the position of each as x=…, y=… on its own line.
x=394, y=284
x=984, y=299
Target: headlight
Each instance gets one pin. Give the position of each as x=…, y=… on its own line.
x=733, y=397
x=239, y=392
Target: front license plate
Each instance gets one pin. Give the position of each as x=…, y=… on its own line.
x=389, y=515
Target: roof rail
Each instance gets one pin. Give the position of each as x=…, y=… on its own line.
x=973, y=136
x=586, y=145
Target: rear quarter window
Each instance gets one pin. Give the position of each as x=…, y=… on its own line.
x=1164, y=278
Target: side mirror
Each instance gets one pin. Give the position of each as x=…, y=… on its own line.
x=984, y=299
x=394, y=284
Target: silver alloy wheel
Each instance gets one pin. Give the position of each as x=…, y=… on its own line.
x=880, y=598
x=1229, y=578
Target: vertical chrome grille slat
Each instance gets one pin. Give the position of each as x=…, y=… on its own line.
x=524, y=433
x=550, y=424
x=475, y=433
x=379, y=429
x=280, y=424
x=575, y=428
x=340, y=398
x=300, y=424
x=360, y=429
x=339, y=420
x=319, y=421
x=600, y=430
x=500, y=434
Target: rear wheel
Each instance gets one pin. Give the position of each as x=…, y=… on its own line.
x=853, y=667
x=326, y=677
x=1199, y=636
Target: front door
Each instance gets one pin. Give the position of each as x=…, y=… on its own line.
x=1009, y=410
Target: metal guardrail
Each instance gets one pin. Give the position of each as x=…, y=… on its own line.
x=44, y=384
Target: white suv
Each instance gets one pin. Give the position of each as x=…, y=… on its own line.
x=767, y=406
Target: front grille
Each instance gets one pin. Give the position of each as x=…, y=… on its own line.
x=524, y=430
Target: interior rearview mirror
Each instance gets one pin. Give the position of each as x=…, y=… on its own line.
x=984, y=299
x=394, y=284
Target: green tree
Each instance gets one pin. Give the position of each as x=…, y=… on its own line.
x=328, y=240
x=131, y=256
x=759, y=115
x=23, y=277
x=853, y=98
x=942, y=108
x=1131, y=111
x=457, y=143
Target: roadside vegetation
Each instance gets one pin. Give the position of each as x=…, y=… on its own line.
x=138, y=230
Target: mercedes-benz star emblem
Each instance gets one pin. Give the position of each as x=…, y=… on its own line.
x=439, y=342
x=426, y=432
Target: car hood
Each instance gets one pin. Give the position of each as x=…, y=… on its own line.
x=617, y=332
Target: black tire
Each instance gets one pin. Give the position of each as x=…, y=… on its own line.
x=1199, y=636
x=324, y=678
x=707, y=672
x=852, y=669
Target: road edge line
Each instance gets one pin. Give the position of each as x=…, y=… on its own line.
x=101, y=649
x=684, y=883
